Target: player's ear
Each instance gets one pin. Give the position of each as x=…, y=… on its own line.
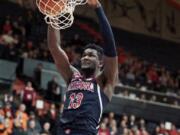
x=101, y=64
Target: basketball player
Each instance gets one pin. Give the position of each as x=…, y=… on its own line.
x=90, y=89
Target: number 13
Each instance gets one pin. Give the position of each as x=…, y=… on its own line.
x=75, y=100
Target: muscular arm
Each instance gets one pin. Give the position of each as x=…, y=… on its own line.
x=110, y=72
x=58, y=54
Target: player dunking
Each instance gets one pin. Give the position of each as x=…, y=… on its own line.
x=90, y=89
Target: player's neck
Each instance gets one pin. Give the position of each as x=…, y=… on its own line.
x=87, y=73
x=90, y=73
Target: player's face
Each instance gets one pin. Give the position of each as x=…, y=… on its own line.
x=89, y=59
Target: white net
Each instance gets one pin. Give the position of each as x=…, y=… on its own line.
x=81, y=2
x=59, y=13
x=62, y=21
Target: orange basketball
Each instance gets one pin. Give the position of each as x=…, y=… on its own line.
x=51, y=7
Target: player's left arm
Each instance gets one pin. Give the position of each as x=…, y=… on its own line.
x=110, y=72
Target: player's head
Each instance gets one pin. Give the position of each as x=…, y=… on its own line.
x=92, y=59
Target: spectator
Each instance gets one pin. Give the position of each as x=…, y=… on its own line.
x=10, y=104
x=18, y=131
x=162, y=129
x=103, y=130
x=111, y=116
x=37, y=74
x=143, y=131
x=54, y=90
x=125, y=118
x=151, y=128
x=126, y=131
x=113, y=127
x=21, y=118
x=31, y=129
x=46, y=129
x=153, y=98
x=8, y=123
x=173, y=131
x=7, y=27
x=2, y=120
x=130, y=76
x=105, y=120
x=32, y=116
x=122, y=128
x=8, y=108
x=52, y=115
x=135, y=130
x=132, y=121
x=28, y=96
x=142, y=123
x=8, y=39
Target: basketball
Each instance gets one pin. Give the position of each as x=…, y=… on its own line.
x=51, y=7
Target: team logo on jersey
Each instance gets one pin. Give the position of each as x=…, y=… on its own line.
x=80, y=85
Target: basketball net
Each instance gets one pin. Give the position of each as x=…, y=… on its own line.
x=59, y=13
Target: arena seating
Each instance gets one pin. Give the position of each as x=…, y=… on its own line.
x=141, y=82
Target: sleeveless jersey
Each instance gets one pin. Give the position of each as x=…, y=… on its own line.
x=83, y=105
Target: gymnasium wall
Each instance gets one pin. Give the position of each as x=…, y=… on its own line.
x=150, y=17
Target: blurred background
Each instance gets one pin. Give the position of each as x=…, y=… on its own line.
x=146, y=99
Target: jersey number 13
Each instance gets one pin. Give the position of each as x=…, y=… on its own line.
x=75, y=100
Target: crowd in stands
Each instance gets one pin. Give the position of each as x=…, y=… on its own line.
x=19, y=118
x=16, y=40
x=16, y=119
x=131, y=125
x=15, y=43
x=136, y=72
x=26, y=116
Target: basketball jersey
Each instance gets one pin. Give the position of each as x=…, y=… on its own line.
x=83, y=105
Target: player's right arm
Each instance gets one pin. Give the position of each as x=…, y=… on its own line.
x=60, y=57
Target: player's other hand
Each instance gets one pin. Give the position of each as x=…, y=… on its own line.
x=93, y=3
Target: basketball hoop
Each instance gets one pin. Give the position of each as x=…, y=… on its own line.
x=62, y=21
x=81, y=2
x=59, y=13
